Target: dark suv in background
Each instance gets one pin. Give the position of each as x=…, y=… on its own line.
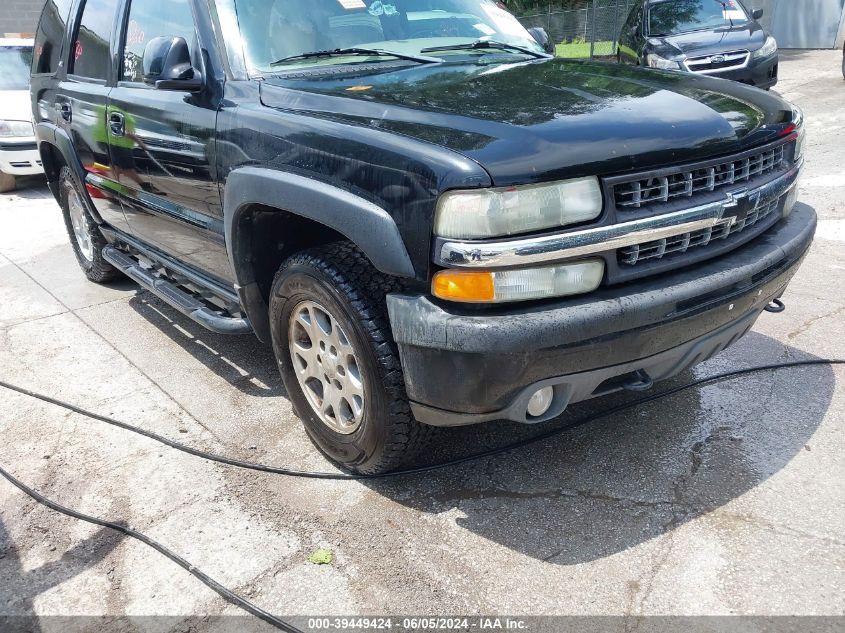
x=720, y=38
x=433, y=223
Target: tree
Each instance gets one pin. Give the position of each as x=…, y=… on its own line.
x=523, y=7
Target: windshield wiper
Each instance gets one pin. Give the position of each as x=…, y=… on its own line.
x=485, y=44
x=342, y=52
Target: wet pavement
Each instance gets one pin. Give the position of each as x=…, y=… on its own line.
x=725, y=499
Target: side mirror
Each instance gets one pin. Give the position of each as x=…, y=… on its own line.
x=167, y=65
x=543, y=39
x=756, y=13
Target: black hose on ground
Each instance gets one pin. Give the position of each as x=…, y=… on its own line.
x=224, y=592
x=290, y=472
x=245, y=604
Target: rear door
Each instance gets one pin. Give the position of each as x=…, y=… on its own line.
x=82, y=99
x=165, y=154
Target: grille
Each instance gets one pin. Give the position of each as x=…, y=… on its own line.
x=718, y=63
x=679, y=244
x=636, y=194
x=168, y=144
x=18, y=147
x=24, y=164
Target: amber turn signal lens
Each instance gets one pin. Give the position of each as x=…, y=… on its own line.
x=467, y=286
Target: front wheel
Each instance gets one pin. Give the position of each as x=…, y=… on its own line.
x=338, y=360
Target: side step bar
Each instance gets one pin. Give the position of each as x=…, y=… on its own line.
x=175, y=296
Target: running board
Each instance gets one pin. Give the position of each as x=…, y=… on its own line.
x=175, y=296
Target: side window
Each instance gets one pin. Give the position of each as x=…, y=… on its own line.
x=90, y=54
x=50, y=35
x=147, y=21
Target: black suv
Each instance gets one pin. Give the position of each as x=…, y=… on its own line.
x=720, y=38
x=431, y=220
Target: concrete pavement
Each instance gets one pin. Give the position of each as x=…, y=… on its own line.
x=726, y=499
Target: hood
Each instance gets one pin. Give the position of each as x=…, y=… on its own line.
x=15, y=105
x=548, y=119
x=748, y=37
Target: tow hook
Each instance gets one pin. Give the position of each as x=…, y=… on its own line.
x=640, y=381
x=776, y=306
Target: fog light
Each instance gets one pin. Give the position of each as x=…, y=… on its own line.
x=540, y=402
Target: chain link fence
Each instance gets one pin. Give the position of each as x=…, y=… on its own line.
x=590, y=28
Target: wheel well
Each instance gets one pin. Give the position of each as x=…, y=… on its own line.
x=52, y=161
x=268, y=236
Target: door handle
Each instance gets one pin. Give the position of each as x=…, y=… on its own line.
x=64, y=111
x=117, y=123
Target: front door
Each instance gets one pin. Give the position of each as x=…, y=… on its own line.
x=162, y=146
x=82, y=100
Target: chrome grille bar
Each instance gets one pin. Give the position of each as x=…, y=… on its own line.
x=713, y=216
x=721, y=62
x=658, y=249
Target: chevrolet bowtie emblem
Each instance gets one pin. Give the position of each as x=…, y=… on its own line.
x=738, y=206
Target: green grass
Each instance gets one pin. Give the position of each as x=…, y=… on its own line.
x=582, y=49
x=320, y=557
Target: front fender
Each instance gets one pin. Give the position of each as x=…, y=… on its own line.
x=366, y=224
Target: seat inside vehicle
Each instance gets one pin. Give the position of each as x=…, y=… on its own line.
x=354, y=28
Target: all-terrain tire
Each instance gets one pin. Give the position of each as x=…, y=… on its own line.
x=96, y=268
x=341, y=279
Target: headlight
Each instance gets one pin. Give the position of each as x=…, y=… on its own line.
x=561, y=280
x=656, y=61
x=797, y=115
x=799, y=145
x=485, y=213
x=16, y=128
x=770, y=47
x=798, y=121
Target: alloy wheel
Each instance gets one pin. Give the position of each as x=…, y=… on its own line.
x=79, y=222
x=327, y=367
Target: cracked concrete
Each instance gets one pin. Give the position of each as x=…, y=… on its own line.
x=726, y=499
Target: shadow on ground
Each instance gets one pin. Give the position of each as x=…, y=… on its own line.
x=20, y=586
x=610, y=485
x=243, y=361
x=31, y=187
x=605, y=487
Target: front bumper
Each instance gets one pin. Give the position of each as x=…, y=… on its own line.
x=761, y=73
x=463, y=367
x=20, y=159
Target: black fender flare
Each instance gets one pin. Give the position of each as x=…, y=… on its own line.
x=60, y=139
x=363, y=222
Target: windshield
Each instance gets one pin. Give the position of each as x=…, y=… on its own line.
x=14, y=67
x=273, y=30
x=681, y=16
